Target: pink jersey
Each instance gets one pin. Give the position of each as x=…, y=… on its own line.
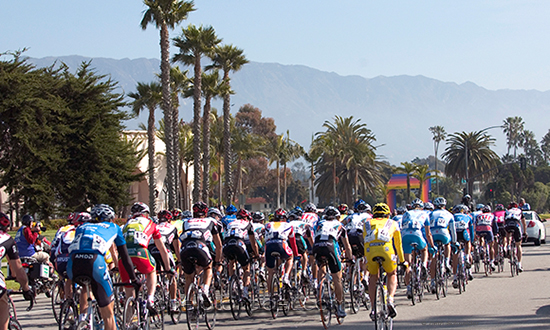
x=499, y=217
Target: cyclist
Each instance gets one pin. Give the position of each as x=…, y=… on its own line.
x=428, y=207
x=168, y=234
x=302, y=231
x=215, y=213
x=499, y=213
x=442, y=228
x=60, y=246
x=87, y=258
x=467, y=200
x=27, y=237
x=400, y=211
x=8, y=249
x=343, y=209
x=279, y=238
x=234, y=247
x=415, y=229
x=139, y=231
x=464, y=226
x=354, y=225
x=258, y=219
x=381, y=235
x=310, y=217
x=515, y=225
x=327, y=233
x=485, y=225
x=198, y=232
x=478, y=211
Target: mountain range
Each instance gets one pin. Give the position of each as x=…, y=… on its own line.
x=398, y=109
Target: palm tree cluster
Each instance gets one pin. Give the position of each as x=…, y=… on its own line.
x=345, y=161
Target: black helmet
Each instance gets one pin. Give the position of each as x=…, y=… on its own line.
x=27, y=219
x=331, y=213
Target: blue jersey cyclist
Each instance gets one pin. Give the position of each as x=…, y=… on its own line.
x=87, y=251
x=442, y=229
x=415, y=227
x=464, y=227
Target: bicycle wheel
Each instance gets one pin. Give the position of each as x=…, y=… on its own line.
x=68, y=315
x=513, y=264
x=13, y=324
x=156, y=320
x=235, y=297
x=192, y=307
x=130, y=315
x=285, y=299
x=325, y=305
x=355, y=291
x=274, y=297
x=57, y=298
x=304, y=292
x=175, y=314
x=438, y=277
x=211, y=312
x=379, y=307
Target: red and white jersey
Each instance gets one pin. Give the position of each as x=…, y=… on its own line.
x=484, y=222
x=310, y=218
x=139, y=231
x=513, y=214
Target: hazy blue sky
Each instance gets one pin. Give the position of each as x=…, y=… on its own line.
x=495, y=44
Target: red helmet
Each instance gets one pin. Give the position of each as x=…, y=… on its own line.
x=165, y=215
x=4, y=222
x=512, y=205
x=199, y=209
x=243, y=214
x=81, y=217
x=176, y=213
x=280, y=214
x=71, y=217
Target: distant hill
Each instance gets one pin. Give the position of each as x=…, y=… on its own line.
x=399, y=110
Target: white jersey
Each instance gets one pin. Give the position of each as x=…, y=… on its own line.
x=354, y=223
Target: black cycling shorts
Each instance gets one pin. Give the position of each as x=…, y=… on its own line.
x=327, y=250
x=357, y=245
x=194, y=252
x=301, y=244
x=235, y=249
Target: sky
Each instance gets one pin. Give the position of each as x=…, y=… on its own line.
x=496, y=44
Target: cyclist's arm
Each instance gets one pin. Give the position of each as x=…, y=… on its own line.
x=163, y=253
x=452, y=230
x=114, y=255
x=399, y=245
x=429, y=237
x=347, y=246
x=292, y=242
x=252, y=239
x=218, y=244
x=176, y=246
x=524, y=224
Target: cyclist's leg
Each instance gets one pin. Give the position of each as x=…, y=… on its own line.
x=4, y=311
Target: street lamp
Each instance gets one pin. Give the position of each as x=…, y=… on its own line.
x=466, y=155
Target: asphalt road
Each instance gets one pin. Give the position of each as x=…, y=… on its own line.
x=495, y=302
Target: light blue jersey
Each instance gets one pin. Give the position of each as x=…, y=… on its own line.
x=96, y=238
x=442, y=226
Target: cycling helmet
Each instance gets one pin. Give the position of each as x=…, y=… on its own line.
x=214, y=211
x=440, y=202
x=331, y=213
x=271, y=216
x=499, y=207
x=258, y=217
x=343, y=208
x=298, y=211
x=401, y=210
x=81, y=217
x=165, y=215
x=310, y=207
x=140, y=207
x=27, y=219
x=186, y=214
x=409, y=207
x=417, y=203
x=243, y=214
x=71, y=217
x=381, y=210
x=467, y=197
x=102, y=212
x=479, y=207
x=458, y=208
x=4, y=222
x=279, y=215
x=199, y=209
x=360, y=206
x=526, y=207
x=231, y=209
x=486, y=209
x=176, y=214
x=428, y=206
x=512, y=205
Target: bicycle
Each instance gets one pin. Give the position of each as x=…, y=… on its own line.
x=514, y=270
x=280, y=295
x=13, y=323
x=485, y=256
x=136, y=315
x=326, y=295
x=476, y=256
x=236, y=299
x=499, y=254
x=441, y=276
x=69, y=315
x=58, y=297
x=299, y=291
x=175, y=313
x=417, y=281
x=358, y=291
x=461, y=276
x=382, y=320
x=194, y=303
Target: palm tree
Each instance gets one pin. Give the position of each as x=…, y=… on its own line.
x=166, y=14
x=545, y=147
x=245, y=146
x=228, y=58
x=311, y=157
x=480, y=157
x=274, y=148
x=149, y=96
x=439, y=135
x=513, y=128
x=290, y=151
x=408, y=169
x=421, y=172
x=193, y=44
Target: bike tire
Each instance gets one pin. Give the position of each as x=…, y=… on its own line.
x=175, y=315
x=355, y=291
x=325, y=306
x=210, y=313
x=130, y=315
x=57, y=298
x=274, y=297
x=192, y=307
x=235, y=301
x=68, y=315
x=379, y=307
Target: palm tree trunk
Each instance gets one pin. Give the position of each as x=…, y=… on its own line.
x=312, y=183
x=278, y=186
x=197, y=182
x=167, y=110
x=227, y=142
x=206, y=150
x=408, y=189
x=334, y=180
x=436, y=146
x=151, y=156
x=240, y=179
x=220, y=181
x=284, y=185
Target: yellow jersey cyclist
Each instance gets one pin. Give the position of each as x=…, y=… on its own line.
x=381, y=234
